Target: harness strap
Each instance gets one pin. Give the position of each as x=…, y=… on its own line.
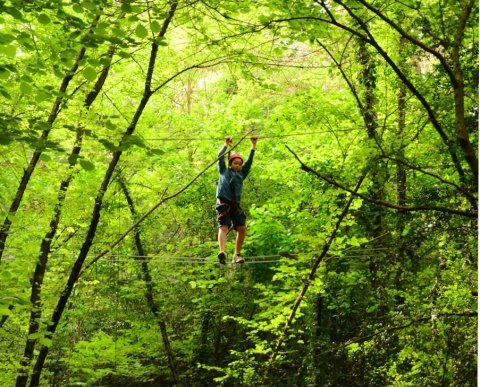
x=229, y=207
x=232, y=188
x=225, y=211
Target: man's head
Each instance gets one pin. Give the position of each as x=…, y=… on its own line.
x=235, y=161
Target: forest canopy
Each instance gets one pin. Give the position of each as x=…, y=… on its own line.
x=361, y=250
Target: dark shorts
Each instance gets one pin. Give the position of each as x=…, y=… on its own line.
x=230, y=214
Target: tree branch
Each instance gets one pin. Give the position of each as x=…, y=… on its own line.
x=313, y=271
x=396, y=328
x=463, y=191
x=410, y=38
x=306, y=168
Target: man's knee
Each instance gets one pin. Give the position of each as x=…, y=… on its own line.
x=241, y=229
x=223, y=228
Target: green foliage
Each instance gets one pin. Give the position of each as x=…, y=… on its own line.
x=393, y=301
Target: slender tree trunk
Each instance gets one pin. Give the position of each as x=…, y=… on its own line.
x=27, y=173
x=147, y=278
x=375, y=220
x=401, y=173
x=45, y=248
x=77, y=267
x=463, y=138
x=401, y=255
x=316, y=264
x=368, y=38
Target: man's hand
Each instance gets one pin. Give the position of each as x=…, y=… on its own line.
x=254, y=140
x=228, y=141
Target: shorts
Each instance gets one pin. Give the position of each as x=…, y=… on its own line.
x=229, y=214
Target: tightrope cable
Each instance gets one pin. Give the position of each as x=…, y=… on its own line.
x=260, y=136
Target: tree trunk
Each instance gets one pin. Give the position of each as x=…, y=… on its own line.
x=77, y=267
x=45, y=248
x=147, y=278
x=28, y=172
x=463, y=138
x=375, y=218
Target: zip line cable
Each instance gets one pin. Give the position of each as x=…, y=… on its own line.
x=260, y=136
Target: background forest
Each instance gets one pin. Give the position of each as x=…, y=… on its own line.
x=361, y=253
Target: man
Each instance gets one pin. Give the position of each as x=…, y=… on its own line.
x=229, y=194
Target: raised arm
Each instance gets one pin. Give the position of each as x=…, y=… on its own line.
x=248, y=163
x=221, y=154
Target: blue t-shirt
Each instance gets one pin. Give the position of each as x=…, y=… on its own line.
x=224, y=189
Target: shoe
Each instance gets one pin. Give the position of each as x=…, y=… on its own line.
x=222, y=257
x=237, y=259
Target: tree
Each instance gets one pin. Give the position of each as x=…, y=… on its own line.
x=108, y=272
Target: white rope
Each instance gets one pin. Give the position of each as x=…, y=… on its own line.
x=208, y=259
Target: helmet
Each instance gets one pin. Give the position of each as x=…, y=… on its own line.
x=234, y=156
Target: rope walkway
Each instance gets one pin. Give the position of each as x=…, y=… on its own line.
x=256, y=259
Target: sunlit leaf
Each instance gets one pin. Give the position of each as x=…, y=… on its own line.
x=25, y=88
x=9, y=50
x=43, y=19
x=4, y=74
x=90, y=73
x=45, y=341
x=141, y=31
x=87, y=165
x=155, y=26
x=76, y=8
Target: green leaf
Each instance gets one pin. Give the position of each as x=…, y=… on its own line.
x=263, y=19
x=133, y=140
x=25, y=88
x=90, y=5
x=156, y=151
x=4, y=311
x=76, y=8
x=4, y=74
x=126, y=8
x=10, y=50
x=43, y=19
x=42, y=96
x=6, y=38
x=4, y=93
x=155, y=26
x=124, y=54
x=5, y=140
x=45, y=157
x=87, y=165
x=93, y=62
x=372, y=308
x=108, y=144
x=141, y=31
x=34, y=336
x=45, y=341
x=14, y=12
x=72, y=159
x=161, y=41
x=110, y=125
x=90, y=73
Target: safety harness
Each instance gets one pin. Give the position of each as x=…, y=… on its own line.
x=230, y=206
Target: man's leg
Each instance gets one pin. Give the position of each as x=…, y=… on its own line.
x=241, y=232
x=222, y=237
